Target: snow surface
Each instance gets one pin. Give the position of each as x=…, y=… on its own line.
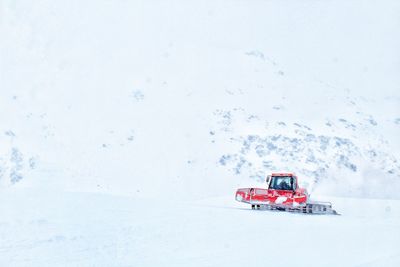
x=81, y=229
x=126, y=127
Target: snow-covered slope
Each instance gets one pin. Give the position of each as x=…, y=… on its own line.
x=75, y=229
x=172, y=100
x=131, y=97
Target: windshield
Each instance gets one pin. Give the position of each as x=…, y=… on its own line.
x=282, y=183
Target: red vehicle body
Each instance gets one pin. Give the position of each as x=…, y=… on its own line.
x=283, y=193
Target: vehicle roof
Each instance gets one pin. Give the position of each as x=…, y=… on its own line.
x=283, y=174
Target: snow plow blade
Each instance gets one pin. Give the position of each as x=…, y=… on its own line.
x=314, y=207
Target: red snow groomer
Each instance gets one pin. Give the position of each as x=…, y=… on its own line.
x=282, y=193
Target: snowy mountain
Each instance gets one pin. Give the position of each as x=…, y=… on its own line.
x=91, y=112
x=335, y=156
x=108, y=107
